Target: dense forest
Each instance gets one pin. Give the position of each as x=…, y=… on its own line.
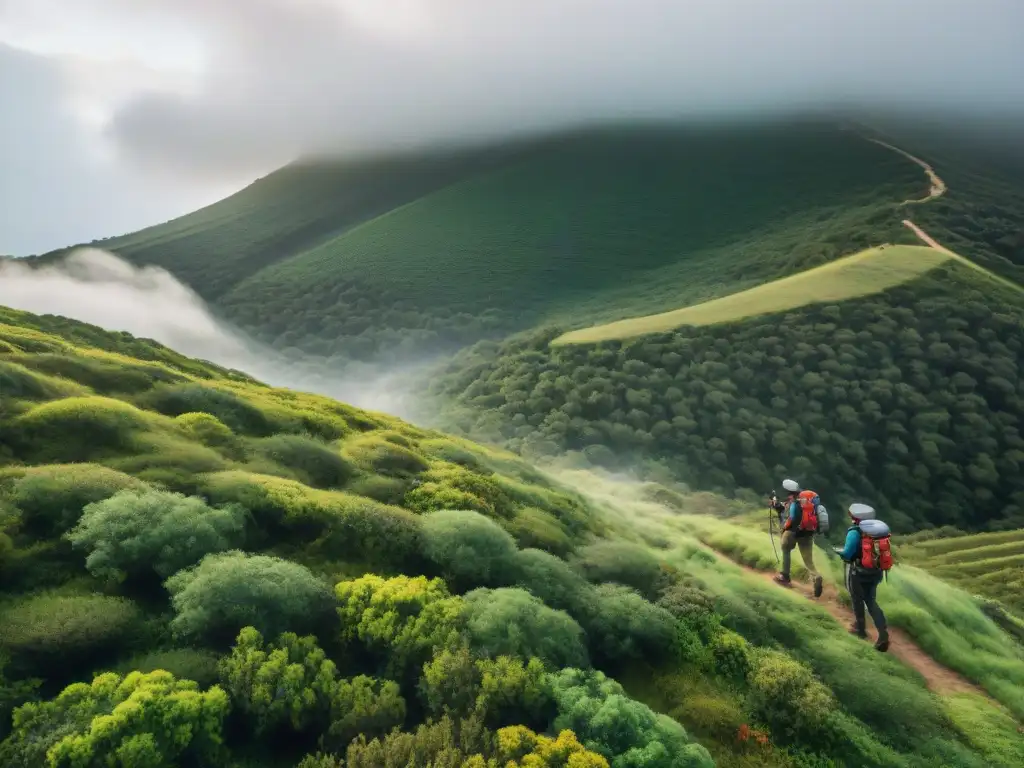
x=197, y=569
x=910, y=399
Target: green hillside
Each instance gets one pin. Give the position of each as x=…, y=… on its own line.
x=860, y=274
x=617, y=211
x=285, y=213
x=197, y=569
x=911, y=398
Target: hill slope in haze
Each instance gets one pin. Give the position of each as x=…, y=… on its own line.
x=386, y=259
x=166, y=526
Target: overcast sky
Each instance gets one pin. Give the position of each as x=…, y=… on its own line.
x=115, y=114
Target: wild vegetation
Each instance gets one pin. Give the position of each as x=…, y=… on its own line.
x=353, y=590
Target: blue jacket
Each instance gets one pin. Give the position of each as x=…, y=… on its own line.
x=852, y=548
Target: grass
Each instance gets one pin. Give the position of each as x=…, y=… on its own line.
x=988, y=564
x=860, y=274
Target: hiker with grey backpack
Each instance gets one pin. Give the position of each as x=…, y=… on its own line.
x=868, y=557
x=805, y=516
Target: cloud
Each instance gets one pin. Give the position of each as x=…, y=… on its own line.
x=292, y=77
x=95, y=286
x=151, y=107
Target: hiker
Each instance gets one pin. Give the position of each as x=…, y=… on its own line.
x=869, y=557
x=798, y=531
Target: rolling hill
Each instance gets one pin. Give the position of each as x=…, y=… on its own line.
x=199, y=569
x=388, y=260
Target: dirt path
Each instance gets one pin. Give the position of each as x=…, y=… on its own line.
x=938, y=186
x=926, y=238
x=939, y=679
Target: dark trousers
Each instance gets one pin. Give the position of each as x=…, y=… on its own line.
x=863, y=588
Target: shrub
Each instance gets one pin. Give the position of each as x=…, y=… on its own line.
x=141, y=719
x=381, y=457
x=387, y=490
x=102, y=375
x=730, y=655
x=228, y=591
x=134, y=532
x=78, y=429
x=17, y=381
x=291, y=683
x=313, y=462
x=470, y=549
x=51, y=498
x=184, y=663
x=401, y=619
x=785, y=695
x=622, y=625
x=209, y=430
x=237, y=413
x=533, y=527
x=552, y=580
x=513, y=622
x=498, y=691
x=621, y=563
x=64, y=631
x=361, y=529
x=624, y=731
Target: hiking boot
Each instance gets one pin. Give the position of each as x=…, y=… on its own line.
x=818, y=586
x=882, y=644
x=858, y=632
x=783, y=579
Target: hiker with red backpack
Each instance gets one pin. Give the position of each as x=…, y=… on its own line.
x=801, y=524
x=869, y=556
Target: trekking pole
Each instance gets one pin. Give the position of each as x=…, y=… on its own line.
x=771, y=531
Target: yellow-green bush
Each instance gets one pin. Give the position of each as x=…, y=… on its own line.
x=534, y=528
x=312, y=461
x=241, y=415
x=17, y=381
x=104, y=375
x=208, y=430
x=375, y=454
x=59, y=632
x=79, y=429
x=51, y=498
x=183, y=663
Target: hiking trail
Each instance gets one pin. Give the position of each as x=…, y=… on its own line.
x=938, y=186
x=940, y=679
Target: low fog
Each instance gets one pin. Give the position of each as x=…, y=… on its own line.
x=97, y=287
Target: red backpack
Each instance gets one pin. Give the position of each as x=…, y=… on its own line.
x=809, y=502
x=875, y=549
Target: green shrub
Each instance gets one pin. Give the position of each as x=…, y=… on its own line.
x=52, y=498
x=225, y=592
x=143, y=720
x=184, y=663
x=375, y=454
x=275, y=503
x=730, y=655
x=133, y=532
x=291, y=683
x=512, y=622
x=533, y=527
x=61, y=632
x=470, y=549
x=209, y=430
x=785, y=695
x=237, y=413
x=103, y=375
x=78, y=429
x=18, y=382
x=624, y=731
x=401, y=619
x=387, y=490
x=360, y=529
x=450, y=451
x=552, y=580
x=313, y=462
x=621, y=563
x=622, y=625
